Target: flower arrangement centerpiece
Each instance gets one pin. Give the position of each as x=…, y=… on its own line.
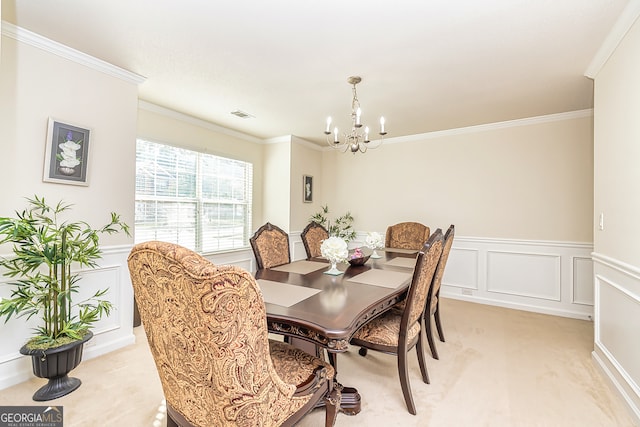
x=335, y=250
x=374, y=241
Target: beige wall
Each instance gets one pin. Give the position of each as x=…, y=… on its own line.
x=36, y=85
x=38, y=82
x=166, y=126
x=616, y=252
x=306, y=160
x=276, y=184
x=530, y=179
x=617, y=151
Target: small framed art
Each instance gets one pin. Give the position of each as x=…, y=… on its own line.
x=307, y=188
x=66, y=154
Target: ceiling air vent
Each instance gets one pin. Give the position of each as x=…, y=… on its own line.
x=242, y=114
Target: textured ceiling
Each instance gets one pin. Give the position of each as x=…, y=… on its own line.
x=425, y=65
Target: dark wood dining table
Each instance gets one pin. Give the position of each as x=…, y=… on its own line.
x=339, y=304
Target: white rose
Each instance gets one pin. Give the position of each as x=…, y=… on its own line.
x=373, y=240
x=334, y=249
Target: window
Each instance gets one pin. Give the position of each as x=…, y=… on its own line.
x=197, y=200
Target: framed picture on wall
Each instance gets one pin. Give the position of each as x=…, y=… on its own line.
x=66, y=154
x=307, y=188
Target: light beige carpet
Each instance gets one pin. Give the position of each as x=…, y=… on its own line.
x=499, y=367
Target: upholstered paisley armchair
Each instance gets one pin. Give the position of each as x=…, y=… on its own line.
x=397, y=332
x=207, y=331
x=406, y=235
x=312, y=237
x=270, y=246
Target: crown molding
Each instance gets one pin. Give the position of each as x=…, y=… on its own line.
x=305, y=143
x=278, y=139
x=626, y=19
x=25, y=36
x=167, y=112
x=493, y=126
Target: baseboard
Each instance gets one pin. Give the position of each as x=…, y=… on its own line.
x=617, y=386
x=519, y=306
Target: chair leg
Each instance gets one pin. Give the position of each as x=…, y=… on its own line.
x=362, y=352
x=332, y=405
x=171, y=422
x=436, y=316
x=403, y=373
x=432, y=343
x=421, y=359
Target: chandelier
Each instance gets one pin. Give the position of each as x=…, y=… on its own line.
x=355, y=140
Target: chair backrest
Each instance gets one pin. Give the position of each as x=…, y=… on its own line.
x=406, y=235
x=270, y=246
x=442, y=263
x=312, y=237
x=426, y=264
x=207, y=331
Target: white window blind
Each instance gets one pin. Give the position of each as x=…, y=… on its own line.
x=197, y=200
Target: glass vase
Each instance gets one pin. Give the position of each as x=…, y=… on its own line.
x=375, y=254
x=334, y=269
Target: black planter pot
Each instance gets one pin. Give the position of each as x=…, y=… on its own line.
x=55, y=365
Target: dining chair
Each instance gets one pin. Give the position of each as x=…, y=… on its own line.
x=396, y=332
x=432, y=307
x=207, y=331
x=406, y=235
x=270, y=246
x=312, y=237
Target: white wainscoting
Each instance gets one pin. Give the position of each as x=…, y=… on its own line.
x=110, y=333
x=617, y=326
x=545, y=277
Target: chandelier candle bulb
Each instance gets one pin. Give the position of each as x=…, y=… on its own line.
x=366, y=134
x=358, y=114
x=328, y=130
x=382, y=132
x=335, y=135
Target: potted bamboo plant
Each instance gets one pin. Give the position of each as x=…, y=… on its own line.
x=341, y=226
x=45, y=248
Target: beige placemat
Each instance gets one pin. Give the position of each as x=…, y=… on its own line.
x=301, y=267
x=284, y=294
x=401, y=251
x=402, y=262
x=386, y=278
